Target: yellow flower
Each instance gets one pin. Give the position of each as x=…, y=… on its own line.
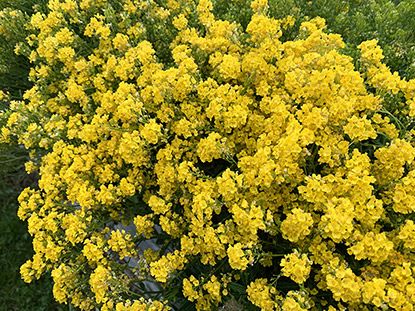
x=230, y=68
x=344, y=285
x=371, y=52
x=259, y=5
x=297, y=225
x=296, y=266
x=120, y=42
x=375, y=247
x=210, y=148
x=158, y=205
x=188, y=288
x=151, y=132
x=144, y=225
x=163, y=268
x=99, y=282
x=180, y=22
x=359, y=129
x=236, y=257
x=261, y=295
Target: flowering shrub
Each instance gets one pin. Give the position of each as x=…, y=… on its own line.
x=271, y=173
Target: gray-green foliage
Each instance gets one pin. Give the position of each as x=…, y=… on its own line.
x=390, y=22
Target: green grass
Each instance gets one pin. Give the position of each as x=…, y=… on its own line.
x=16, y=247
x=16, y=243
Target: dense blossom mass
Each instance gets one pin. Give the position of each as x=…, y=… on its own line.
x=275, y=174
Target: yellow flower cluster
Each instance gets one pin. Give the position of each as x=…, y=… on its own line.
x=262, y=295
x=296, y=267
x=225, y=146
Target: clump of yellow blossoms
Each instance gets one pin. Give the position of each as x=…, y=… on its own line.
x=267, y=171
